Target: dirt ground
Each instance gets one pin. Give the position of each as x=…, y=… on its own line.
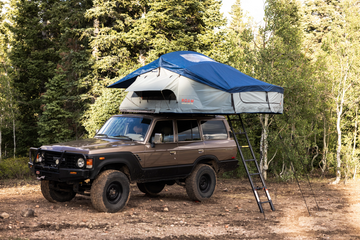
x=231, y=213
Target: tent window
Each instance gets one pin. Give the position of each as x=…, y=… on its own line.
x=155, y=95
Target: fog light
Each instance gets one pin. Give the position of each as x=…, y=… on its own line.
x=80, y=162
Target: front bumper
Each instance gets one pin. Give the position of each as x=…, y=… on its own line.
x=58, y=174
x=62, y=172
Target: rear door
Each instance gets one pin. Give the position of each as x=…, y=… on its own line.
x=190, y=145
x=216, y=139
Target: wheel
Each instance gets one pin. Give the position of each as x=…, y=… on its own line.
x=53, y=195
x=110, y=191
x=201, y=184
x=151, y=188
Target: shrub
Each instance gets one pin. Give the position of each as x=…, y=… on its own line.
x=11, y=168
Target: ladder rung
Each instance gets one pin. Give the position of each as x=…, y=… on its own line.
x=259, y=188
x=265, y=202
x=245, y=146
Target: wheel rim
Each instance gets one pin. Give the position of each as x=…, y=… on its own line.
x=204, y=183
x=114, y=192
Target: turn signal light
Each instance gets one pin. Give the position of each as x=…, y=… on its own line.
x=89, y=163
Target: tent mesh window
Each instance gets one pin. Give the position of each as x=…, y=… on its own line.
x=155, y=95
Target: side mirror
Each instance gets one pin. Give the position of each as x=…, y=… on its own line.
x=158, y=138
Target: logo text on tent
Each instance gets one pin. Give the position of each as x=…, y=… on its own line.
x=187, y=101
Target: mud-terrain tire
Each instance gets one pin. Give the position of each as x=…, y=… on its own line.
x=110, y=191
x=151, y=188
x=201, y=184
x=53, y=195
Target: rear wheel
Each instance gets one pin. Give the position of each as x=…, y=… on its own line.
x=110, y=191
x=201, y=184
x=54, y=195
x=151, y=188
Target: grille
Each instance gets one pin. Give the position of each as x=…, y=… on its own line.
x=69, y=160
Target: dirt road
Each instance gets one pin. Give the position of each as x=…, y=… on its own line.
x=231, y=213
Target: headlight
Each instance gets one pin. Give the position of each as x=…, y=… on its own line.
x=80, y=162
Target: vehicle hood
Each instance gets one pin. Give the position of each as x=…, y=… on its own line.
x=85, y=146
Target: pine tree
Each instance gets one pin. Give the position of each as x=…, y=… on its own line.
x=62, y=102
x=240, y=37
x=128, y=35
x=33, y=58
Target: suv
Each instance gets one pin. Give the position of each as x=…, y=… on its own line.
x=150, y=150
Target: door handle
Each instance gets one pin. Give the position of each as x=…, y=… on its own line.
x=172, y=152
x=201, y=150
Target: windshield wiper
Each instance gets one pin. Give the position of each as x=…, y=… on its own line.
x=123, y=136
x=101, y=135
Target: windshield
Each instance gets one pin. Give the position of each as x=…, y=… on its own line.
x=124, y=127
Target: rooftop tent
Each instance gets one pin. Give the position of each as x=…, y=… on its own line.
x=190, y=82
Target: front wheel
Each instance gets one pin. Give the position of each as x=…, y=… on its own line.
x=110, y=191
x=201, y=184
x=151, y=188
x=55, y=195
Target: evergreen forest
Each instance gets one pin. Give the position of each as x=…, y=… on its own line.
x=57, y=57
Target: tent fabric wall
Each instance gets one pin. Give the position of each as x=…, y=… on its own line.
x=200, y=85
x=196, y=97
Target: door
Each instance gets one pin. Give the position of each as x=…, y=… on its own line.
x=163, y=153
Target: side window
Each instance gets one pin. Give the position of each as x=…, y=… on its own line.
x=188, y=130
x=214, y=130
x=166, y=130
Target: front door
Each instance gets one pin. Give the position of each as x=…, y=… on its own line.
x=161, y=155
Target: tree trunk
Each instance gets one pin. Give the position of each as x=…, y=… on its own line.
x=325, y=149
x=339, y=111
x=264, y=165
x=11, y=109
x=14, y=135
x=338, y=148
x=0, y=137
x=95, y=49
x=354, y=145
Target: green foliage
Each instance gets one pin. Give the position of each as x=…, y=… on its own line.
x=104, y=107
x=11, y=168
x=62, y=102
x=33, y=58
x=127, y=35
x=57, y=57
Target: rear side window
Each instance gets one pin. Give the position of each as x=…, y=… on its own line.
x=188, y=130
x=214, y=130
